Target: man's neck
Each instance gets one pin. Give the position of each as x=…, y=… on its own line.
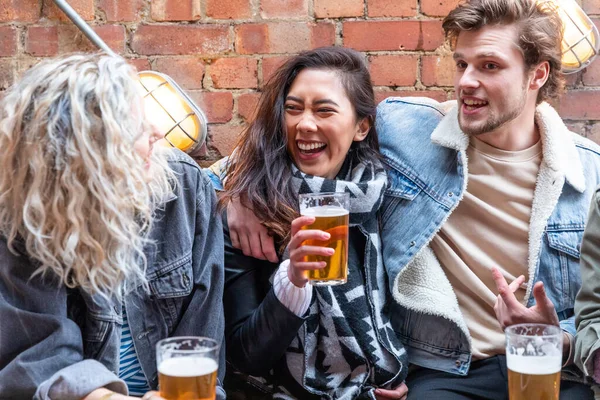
x=519, y=134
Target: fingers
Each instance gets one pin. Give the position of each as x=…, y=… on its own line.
x=255, y=245
x=307, y=234
x=504, y=291
x=545, y=305
x=399, y=393
x=299, y=222
x=516, y=284
x=267, y=245
x=152, y=395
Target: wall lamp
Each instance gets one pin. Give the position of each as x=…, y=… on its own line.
x=182, y=122
x=581, y=42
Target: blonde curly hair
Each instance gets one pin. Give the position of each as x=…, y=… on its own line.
x=72, y=189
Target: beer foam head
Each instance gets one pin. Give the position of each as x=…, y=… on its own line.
x=324, y=211
x=187, y=366
x=529, y=365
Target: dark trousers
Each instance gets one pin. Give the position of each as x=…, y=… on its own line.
x=487, y=380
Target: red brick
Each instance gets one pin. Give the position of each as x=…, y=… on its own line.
x=591, y=75
x=251, y=38
x=276, y=37
x=85, y=9
x=121, y=11
x=594, y=133
x=8, y=41
x=393, y=35
x=393, y=70
x=571, y=80
x=580, y=105
x=42, y=41
x=177, y=39
x=270, y=65
x=246, y=105
x=577, y=127
x=438, y=95
x=339, y=8
x=141, y=64
x=437, y=70
x=322, y=34
x=19, y=10
x=217, y=106
x=176, y=10
x=228, y=9
x=232, y=73
x=188, y=72
x=438, y=8
x=224, y=137
x=392, y=8
x=70, y=39
x=283, y=8
x=591, y=6
x=7, y=73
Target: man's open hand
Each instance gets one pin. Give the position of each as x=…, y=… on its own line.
x=509, y=311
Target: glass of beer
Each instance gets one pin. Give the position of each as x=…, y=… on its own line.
x=187, y=368
x=332, y=213
x=534, y=360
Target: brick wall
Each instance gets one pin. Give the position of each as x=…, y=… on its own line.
x=221, y=51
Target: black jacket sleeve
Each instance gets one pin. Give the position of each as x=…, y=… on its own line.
x=258, y=328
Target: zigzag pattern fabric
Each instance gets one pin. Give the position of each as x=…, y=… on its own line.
x=348, y=347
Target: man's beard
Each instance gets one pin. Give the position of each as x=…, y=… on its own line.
x=494, y=122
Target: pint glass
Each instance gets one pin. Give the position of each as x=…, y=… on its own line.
x=534, y=359
x=331, y=212
x=187, y=368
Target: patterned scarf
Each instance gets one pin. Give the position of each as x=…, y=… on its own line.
x=347, y=347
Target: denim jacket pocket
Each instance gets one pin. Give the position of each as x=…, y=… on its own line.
x=95, y=337
x=170, y=286
x=565, y=247
x=400, y=188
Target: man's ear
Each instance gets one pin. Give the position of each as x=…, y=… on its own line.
x=539, y=76
x=362, y=129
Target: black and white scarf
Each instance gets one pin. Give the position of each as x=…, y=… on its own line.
x=347, y=347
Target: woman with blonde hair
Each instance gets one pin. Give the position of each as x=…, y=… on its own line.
x=107, y=244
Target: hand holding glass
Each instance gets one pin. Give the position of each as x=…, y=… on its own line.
x=534, y=360
x=187, y=368
x=331, y=213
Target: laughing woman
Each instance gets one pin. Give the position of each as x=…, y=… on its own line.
x=314, y=132
x=105, y=246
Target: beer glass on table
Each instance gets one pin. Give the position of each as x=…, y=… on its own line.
x=187, y=368
x=331, y=212
x=534, y=360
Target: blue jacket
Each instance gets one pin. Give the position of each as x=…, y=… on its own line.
x=426, y=151
x=62, y=344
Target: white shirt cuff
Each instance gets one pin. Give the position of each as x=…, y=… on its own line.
x=295, y=299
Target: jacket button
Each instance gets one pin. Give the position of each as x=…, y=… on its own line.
x=457, y=363
x=413, y=243
x=450, y=194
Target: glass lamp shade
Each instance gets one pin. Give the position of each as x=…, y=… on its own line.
x=175, y=115
x=581, y=42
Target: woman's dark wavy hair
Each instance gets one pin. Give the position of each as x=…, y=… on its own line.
x=259, y=170
x=539, y=37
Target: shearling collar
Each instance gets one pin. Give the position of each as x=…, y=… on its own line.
x=558, y=148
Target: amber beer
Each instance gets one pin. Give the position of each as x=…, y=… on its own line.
x=331, y=215
x=187, y=368
x=188, y=378
x=533, y=378
x=534, y=359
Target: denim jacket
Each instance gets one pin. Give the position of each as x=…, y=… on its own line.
x=426, y=151
x=59, y=343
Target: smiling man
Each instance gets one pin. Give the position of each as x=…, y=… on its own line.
x=486, y=205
